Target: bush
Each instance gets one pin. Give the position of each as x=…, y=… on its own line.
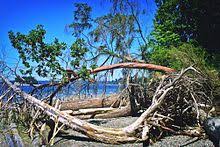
x=184, y=56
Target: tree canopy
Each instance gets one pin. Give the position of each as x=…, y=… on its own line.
x=185, y=20
x=193, y=22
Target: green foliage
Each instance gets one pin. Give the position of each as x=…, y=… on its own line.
x=93, y=66
x=166, y=33
x=180, y=57
x=119, y=29
x=84, y=73
x=164, y=37
x=33, y=50
x=45, y=58
x=187, y=55
x=78, y=51
x=82, y=18
x=182, y=21
x=176, y=21
x=161, y=56
x=111, y=34
x=180, y=28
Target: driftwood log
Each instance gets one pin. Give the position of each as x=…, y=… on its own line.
x=88, y=103
x=116, y=105
x=106, y=113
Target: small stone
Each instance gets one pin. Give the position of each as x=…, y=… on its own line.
x=212, y=128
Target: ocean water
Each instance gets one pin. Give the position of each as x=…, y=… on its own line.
x=76, y=89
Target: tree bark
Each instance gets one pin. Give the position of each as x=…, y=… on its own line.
x=89, y=103
x=113, y=113
x=133, y=65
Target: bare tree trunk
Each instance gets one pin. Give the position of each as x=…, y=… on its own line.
x=133, y=65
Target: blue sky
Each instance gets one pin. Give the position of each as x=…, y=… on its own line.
x=24, y=15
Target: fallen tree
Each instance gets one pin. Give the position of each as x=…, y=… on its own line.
x=170, y=110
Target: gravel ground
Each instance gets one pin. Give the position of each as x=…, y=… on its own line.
x=77, y=140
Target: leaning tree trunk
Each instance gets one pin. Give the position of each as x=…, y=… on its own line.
x=133, y=65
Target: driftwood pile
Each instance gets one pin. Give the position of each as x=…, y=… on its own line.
x=177, y=104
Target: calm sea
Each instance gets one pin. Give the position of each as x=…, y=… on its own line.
x=79, y=88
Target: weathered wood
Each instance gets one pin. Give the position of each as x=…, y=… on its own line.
x=148, y=112
x=103, y=134
x=114, y=113
x=67, y=111
x=92, y=111
x=88, y=103
x=119, y=112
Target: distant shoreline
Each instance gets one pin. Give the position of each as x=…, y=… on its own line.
x=108, y=84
